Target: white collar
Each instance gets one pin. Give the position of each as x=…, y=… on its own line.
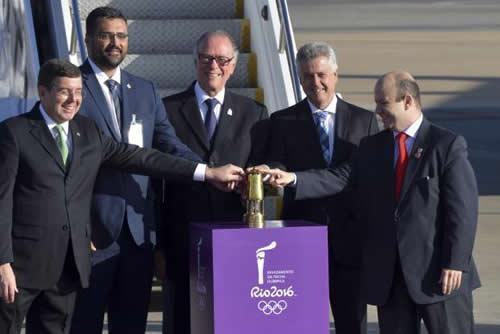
x=202, y=96
x=103, y=77
x=331, y=108
x=51, y=123
x=412, y=130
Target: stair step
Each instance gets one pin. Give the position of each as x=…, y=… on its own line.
x=179, y=36
x=179, y=70
x=164, y=9
x=254, y=93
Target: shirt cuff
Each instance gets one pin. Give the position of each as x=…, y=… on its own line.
x=199, y=173
x=293, y=184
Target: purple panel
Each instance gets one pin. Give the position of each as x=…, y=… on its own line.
x=201, y=280
x=288, y=295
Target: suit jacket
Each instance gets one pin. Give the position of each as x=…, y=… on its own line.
x=45, y=207
x=433, y=225
x=295, y=146
x=240, y=139
x=117, y=193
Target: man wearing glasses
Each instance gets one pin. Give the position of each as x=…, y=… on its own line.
x=128, y=109
x=221, y=127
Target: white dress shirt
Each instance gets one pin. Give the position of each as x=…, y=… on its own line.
x=331, y=109
x=411, y=132
x=51, y=124
x=202, y=96
x=101, y=79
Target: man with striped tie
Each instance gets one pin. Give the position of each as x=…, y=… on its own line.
x=323, y=131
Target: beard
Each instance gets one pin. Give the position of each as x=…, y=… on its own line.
x=103, y=60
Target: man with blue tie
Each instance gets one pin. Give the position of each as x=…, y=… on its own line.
x=128, y=109
x=221, y=127
x=323, y=131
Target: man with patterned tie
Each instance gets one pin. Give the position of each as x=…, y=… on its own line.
x=323, y=131
x=128, y=109
x=220, y=126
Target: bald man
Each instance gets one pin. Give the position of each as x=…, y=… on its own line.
x=417, y=198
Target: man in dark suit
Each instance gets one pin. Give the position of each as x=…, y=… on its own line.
x=123, y=204
x=324, y=131
x=219, y=126
x=50, y=158
x=416, y=196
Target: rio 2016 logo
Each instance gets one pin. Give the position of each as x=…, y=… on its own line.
x=272, y=306
x=271, y=300
x=272, y=292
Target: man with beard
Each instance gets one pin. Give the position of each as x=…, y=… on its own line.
x=128, y=109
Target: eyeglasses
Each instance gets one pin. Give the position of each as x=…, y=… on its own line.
x=220, y=60
x=66, y=93
x=107, y=36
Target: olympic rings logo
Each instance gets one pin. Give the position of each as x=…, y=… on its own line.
x=272, y=307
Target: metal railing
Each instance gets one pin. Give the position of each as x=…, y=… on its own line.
x=78, y=32
x=287, y=44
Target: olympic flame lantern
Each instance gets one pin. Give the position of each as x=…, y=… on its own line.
x=254, y=215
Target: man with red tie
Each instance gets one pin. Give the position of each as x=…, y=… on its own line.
x=417, y=201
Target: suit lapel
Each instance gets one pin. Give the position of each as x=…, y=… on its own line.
x=304, y=113
x=128, y=105
x=95, y=92
x=191, y=113
x=41, y=132
x=420, y=147
x=386, y=158
x=341, y=125
x=74, y=131
x=226, y=121
x=342, y=120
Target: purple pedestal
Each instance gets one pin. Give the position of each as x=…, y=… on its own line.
x=249, y=281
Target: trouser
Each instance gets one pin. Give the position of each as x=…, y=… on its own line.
x=401, y=315
x=120, y=285
x=349, y=311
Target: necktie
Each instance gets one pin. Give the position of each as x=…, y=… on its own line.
x=401, y=163
x=321, y=118
x=210, y=119
x=114, y=89
x=62, y=144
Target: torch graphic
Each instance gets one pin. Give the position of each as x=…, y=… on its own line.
x=260, y=254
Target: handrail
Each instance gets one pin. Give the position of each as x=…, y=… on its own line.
x=79, y=32
x=289, y=46
x=72, y=42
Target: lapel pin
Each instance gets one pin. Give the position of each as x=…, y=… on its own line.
x=78, y=134
x=418, y=153
x=230, y=112
x=128, y=86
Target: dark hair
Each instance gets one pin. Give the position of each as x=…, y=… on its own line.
x=99, y=13
x=408, y=87
x=55, y=68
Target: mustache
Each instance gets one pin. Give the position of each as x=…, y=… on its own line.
x=113, y=48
